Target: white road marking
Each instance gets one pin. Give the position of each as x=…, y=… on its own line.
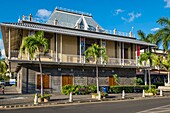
x=161, y=109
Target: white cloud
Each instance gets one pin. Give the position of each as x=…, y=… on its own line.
x=167, y=3
x=118, y=11
x=132, y=16
x=155, y=29
x=42, y=15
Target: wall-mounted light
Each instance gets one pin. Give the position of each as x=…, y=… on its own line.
x=113, y=71
x=59, y=69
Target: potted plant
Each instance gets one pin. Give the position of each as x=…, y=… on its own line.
x=46, y=97
x=104, y=95
x=39, y=98
x=94, y=95
x=150, y=92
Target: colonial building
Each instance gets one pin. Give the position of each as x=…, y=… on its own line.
x=70, y=33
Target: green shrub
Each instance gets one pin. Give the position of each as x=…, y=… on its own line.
x=92, y=88
x=75, y=89
x=158, y=84
x=67, y=89
x=153, y=90
x=129, y=89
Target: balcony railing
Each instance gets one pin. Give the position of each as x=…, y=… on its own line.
x=68, y=58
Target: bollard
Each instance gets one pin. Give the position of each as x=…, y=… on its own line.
x=71, y=97
x=123, y=94
x=99, y=95
x=161, y=93
x=36, y=99
x=143, y=93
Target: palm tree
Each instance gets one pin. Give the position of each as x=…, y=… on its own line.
x=163, y=34
x=148, y=56
x=146, y=38
x=3, y=67
x=95, y=53
x=143, y=37
x=35, y=44
x=166, y=65
x=157, y=61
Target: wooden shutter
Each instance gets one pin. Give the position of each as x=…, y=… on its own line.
x=112, y=81
x=46, y=81
x=67, y=79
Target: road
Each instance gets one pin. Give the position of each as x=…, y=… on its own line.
x=161, y=105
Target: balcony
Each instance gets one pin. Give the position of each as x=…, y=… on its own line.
x=68, y=58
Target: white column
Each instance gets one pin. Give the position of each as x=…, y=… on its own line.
x=101, y=46
x=80, y=50
x=136, y=56
x=120, y=53
x=123, y=46
x=61, y=48
x=9, y=44
x=84, y=47
x=56, y=39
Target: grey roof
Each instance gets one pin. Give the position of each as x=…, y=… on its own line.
x=74, y=32
x=69, y=19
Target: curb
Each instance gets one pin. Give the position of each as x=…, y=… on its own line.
x=75, y=102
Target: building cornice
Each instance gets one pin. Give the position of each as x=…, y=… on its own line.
x=74, y=32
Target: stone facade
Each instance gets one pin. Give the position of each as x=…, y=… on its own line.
x=82, y=75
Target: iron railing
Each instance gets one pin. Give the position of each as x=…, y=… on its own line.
x=70, y=58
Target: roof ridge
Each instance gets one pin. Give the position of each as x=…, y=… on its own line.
x=73, y=11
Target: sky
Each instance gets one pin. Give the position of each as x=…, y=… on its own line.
x=124, y=15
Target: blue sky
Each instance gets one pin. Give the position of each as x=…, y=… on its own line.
x=110, y=14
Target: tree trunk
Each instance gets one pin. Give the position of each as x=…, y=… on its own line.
x=42, y=90
x=97, y=78
x=145, y=77
x=149, y=78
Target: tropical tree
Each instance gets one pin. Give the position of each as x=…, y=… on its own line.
x=166, y=65
x=163, y=34
x=94, y=53
x=35, y=44
x=3, y=67
x=157, y=61
x=146, y=38
x=147, y=57
x=143, y=37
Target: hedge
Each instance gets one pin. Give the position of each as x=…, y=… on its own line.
x=129, y=89
x=78, y=90
x=158, y=84
x=83, y=90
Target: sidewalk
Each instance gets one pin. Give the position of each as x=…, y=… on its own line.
x=17, y=100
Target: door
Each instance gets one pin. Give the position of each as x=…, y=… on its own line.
x=67, y=79
x=46, y=81
x=112, y=81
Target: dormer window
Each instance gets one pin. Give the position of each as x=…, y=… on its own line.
x=81, y=23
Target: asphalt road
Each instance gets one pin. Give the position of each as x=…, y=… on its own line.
x=161, y=105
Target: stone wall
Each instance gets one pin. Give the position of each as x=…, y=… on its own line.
x=81, y=76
